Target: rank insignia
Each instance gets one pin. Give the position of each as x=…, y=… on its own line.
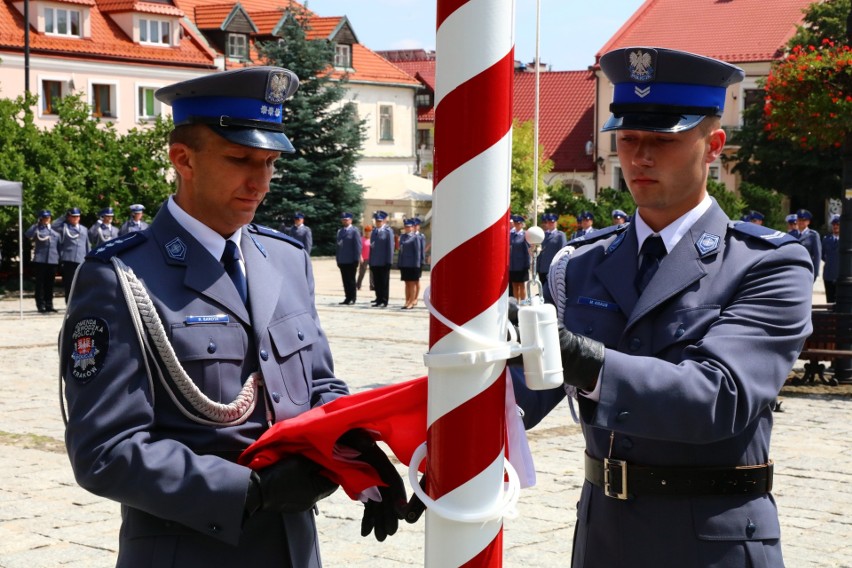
x=259, y=245
x=707, y=243
x=90, y=344
x=176, y=249
x=641, y=65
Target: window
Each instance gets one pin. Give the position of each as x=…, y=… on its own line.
x=148, y=107
x=59, y=21
x=154, y=31
x=103, y=101
x=342, y=55
x=424, y=138
x=51, y=92
x=385, y=123
x=714, y=173
x=237, y=47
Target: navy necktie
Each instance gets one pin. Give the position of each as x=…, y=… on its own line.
x=231, y=260
x=653, y=251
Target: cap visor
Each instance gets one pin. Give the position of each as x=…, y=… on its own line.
x=653, y=122
x=255, y=138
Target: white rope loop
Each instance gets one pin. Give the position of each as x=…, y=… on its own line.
x=230, y=414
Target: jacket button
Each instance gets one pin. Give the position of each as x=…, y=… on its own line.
x=622, y=416
x=679, y=331
x=300, y=335
x=211, y=347
x=264, y=354
x=626, y=444
x=276, y=396
x=750, y=528
x=635, y=344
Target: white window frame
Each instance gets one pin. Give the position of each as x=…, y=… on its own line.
x=113, y=99
x=148, y=25
x=54, y=12
x=342, y=56
x=383, y=120
x=141, y=116
x=63, y=92
x=244, y=47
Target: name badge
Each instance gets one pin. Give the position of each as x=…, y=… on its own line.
x=217, y=318
x=601, y=304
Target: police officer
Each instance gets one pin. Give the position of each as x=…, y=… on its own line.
x=809, y=238
x=159, y=429
x=619, y=217
x=135, y=223
x=554, y=240
x=678, y=331
x=45, y=259
x=348, y=256
x=410, y=262
x=73, y=247
x=381, y=258
x=792, y=225
x=587, y=220
x=103, y=230
x=755, y=217
x=519, y=258
x=831, y=259
x=301, y=232
x=424, y=249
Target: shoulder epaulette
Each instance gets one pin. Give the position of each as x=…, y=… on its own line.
x=270, y=232
x=770, y=236
x=111, y=248
x=598, y=235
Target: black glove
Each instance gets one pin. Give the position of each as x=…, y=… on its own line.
x=582, y=359
x=292, y=485
x=380, y=517
x=415, y=507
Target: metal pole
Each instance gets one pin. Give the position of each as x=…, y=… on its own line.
x=27, y=46
x=466, y=420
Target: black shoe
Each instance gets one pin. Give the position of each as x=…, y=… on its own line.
x=41, y=310
x=343, y=303
x=51, y=309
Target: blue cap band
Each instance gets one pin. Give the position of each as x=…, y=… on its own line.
x=670, y=94
x=234, y=107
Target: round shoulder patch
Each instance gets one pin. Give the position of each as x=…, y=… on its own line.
x=90, y=344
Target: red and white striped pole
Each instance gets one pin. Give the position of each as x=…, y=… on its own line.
x=470, y=245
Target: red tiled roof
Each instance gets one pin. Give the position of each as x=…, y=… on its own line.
x=111, y=6
x=566, y=115
x=211, y=16
x=189, y=6
x=737, y=31
x=108, y=41
x=423, y=70
x=266, y=21
x=370, y=67
x=322, y=27
x=78, y=2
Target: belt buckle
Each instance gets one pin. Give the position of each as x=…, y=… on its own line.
x=610, y=465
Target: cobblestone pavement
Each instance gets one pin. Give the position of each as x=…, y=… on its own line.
x=47, y=521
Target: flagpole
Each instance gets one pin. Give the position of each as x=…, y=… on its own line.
x=466, y=399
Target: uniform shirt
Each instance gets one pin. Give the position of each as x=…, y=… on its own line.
x=131, y=226
x=100, y=233
x=302, y=233
x=45, y=243
x=74, y=243
x=381, y=246
x=410, y=250
x=553, y=242
x=348, y=245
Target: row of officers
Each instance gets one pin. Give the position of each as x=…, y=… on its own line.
x=64, y=243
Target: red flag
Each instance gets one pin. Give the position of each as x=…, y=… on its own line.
x=395, y=414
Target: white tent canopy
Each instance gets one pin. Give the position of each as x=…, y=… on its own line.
x=12, y=193
x=398, y=187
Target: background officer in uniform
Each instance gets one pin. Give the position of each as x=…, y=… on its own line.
x=519, y=258
x=410, y=262
x=73, y=247
x=135, y=223
x=381, y=258
x=586, y=219
x=619, y=217
x=678, y=331
x=348, y=256
x=45, y=259
x=160, y=432
x=792, y=225
x=103, y=230
x=301, y=232
x=831, y=259
x=809, y=238
x=554, y=240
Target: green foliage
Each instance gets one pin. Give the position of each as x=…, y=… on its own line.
x=732, y=205
x=523, y=170
x=79, y=162
x=823, y=21
x=319, y=179
x=766, y=201
x=568, y=205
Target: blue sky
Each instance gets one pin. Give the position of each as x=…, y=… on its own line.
x=572, y=31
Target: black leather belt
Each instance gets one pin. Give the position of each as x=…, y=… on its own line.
x=619, y=479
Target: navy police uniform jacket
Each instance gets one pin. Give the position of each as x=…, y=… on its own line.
x=303, y=234
x=553, y=242
x=348, y=245
x=691, y=370
x=831, y=257
x=181, y=492
x=73, y=242
x=100, y=233
x=519, y=251
x=131, y=226
x=45, y=243
x=810, y=240
x=381, y=246
x=410, y=250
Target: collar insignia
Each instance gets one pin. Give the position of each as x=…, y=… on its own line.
x=707, y=243
x=176, y=249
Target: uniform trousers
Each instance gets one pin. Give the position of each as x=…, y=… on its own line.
x=347, y=274
x=67, y=269
x=44, y=276
x=381, y=280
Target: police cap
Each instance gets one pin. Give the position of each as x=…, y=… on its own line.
x=835, y=219
x=586, y=215
x=298, y=215
x=380, y=215
x=346, y=215
x=45, y=213
x=549, y=217
x=803, y=214
x=244, y=106
x=618, y=213
x=73, y=212
x=791, y=218
x=137, y=208
x=106, y=212
x=517, y=219
x=665, y=90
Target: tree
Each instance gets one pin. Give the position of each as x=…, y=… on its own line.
x=523, y=170
x=319, y=179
